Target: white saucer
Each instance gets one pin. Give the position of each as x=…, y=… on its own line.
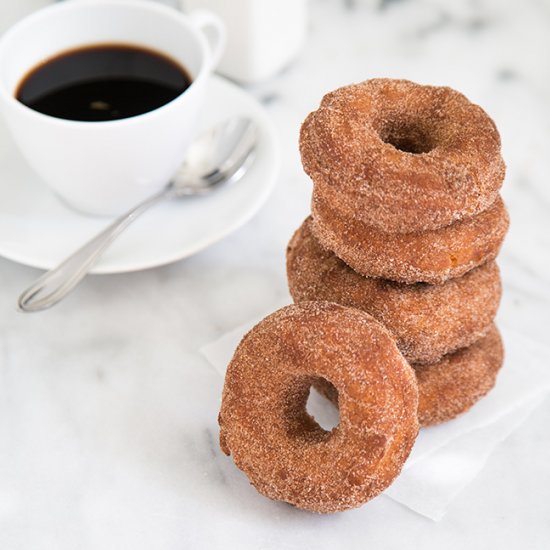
x=38, y=230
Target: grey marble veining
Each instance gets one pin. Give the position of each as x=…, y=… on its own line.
x=108, y=434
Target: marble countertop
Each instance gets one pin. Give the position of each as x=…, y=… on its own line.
x=107, y=412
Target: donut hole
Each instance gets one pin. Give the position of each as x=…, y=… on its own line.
x=311, y=412
x=322, y=404
x=407, y=136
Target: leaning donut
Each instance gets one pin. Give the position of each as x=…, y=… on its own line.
x=427, y=321
x=283, y=451
x=430, y=256
x=401, y=156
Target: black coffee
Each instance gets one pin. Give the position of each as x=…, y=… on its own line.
x=103, y=82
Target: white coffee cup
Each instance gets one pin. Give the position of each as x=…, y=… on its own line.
x=103, y=168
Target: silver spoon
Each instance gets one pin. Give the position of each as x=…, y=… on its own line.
x=220, y=155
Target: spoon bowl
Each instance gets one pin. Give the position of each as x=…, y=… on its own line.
x=220, y=155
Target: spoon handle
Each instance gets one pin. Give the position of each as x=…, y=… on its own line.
x=55, y=284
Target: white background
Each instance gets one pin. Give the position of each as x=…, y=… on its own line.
x=108, y=434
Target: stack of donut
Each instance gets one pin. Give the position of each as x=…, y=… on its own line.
x=406, y=224
x=396, y=290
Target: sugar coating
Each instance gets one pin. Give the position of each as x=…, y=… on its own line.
x=427, y=321
x=403, y=157
x=429, y=256
x=283, y=451
x=454, y=384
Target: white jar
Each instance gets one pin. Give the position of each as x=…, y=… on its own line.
x=263, y=36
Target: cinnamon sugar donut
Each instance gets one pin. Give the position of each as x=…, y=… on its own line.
x=283, y=451
x=401, y=156
x=454, y=384
x=427, y=321
x=430, y=256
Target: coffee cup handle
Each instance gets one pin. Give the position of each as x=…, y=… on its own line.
x=213, y=29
